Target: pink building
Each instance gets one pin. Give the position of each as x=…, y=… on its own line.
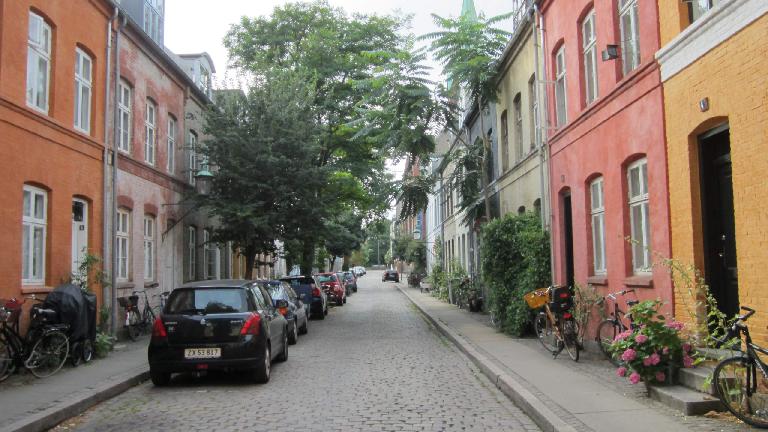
x=607, y=148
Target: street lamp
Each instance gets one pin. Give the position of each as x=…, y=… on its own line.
x=203, y=182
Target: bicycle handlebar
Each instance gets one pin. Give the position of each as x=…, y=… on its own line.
x=749, y=313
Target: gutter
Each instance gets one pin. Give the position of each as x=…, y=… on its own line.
x=106, y=229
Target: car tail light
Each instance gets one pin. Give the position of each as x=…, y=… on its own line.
x=567, y=315
x=316, y=292
x=158, y=329
x=564, y=295
x=252, y=325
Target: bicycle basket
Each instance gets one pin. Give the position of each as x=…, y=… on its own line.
x=10, y=311
x=560, y=299
x=537, y=298
x=130, y=301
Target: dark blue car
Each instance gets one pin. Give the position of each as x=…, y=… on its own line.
x=310, y=293
x=296, y=313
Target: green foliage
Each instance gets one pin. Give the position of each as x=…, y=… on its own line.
x=90, y=273
x=103, y=344
x=416, y=254
x=515, y=260
x=585, y=305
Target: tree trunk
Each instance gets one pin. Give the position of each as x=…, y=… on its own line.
x=307, y=257
x=345, y=263
x=250, y=260
x=486, y=153
x=331, y=262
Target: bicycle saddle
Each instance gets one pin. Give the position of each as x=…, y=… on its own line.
x=44, y=315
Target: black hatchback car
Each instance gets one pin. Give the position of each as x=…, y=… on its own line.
x=392, y=275
x=218, y=325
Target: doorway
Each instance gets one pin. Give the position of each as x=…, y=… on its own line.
x=718, y=226
x=79, y=233
x=568, y=237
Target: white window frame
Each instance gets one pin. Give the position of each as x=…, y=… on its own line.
x=597, y=211
x=150, y=132
x=505, y=141
x=124, y=117
x=589, y=46
x=561, y=97
x=517, y=105
x=533, y=106
x=192, y=171
x=39, y=37
x=123, y=232
x=191, y=251
x=149, y=247
x=152, y=14
x=171, y=157
x=630, y=37
x=640, y=230
x=698, y=8
x=34, y=219
x=83, y=91
x=212, y=267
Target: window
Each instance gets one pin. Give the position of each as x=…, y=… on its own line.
x=597, y=199
x=630, y=35
x=519, y=153
x=205, y=81
x=192, y=168
x=149, y=247
x=697, y=8
x=153, y=10
x=504, y=142
x=211, y=257
x=533, y=107
x=38, y=62
x=123, y=230
x=150, y=136
x=637, y=181
x=191, y=249
x=171, y=163
x=124, y=117
x=521, y=210
x=34, y=222
x=589, y=42
x=83, y=78
x=560, y=101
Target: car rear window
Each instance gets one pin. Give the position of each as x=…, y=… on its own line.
x=277, y=292
x=326, y=278
x=295, y=282
x=206, y=301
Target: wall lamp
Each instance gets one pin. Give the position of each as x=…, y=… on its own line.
x=203, y=183
x=611, y=52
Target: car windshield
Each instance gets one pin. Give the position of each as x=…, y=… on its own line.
x=277, y=292
x=349, y=276
x=326, y=278
x=206, y=301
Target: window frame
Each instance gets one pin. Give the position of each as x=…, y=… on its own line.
x=589, y=55
x=629, y=8
x=123, y=234
x=149, y=247
x=504, y=141
x=31, y=223
x=533, y=107
x=561, y=114
x=170, y=163
x=642, y=227
x=517, y=106
x=597, y=212
x=212, y=267
x=192, y=252
x=192, y=158
x=150, y=133
x=37, y=51
x=125, y=116
x=82, y=84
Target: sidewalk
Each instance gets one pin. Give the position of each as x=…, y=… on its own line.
x=31, y=404
x=558, y=394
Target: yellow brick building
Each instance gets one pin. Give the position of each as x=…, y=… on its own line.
x=713, y=61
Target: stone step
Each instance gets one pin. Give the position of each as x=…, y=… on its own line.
x=697, y=378
x=718, y=354
x=689, y=402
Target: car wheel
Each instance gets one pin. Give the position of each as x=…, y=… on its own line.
x=284, y=355
x=339, y=302
x=323, y=312
x=263, y=371
x=305, y=328
x=159, y=379
x=345, y=300
x=293, y=336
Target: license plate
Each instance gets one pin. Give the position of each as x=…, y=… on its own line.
x=202, y=353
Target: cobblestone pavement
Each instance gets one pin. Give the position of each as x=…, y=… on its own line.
x=372, y=365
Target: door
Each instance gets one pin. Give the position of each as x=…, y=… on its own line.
x=568, y=237
x=79, y=234
x=721, y=269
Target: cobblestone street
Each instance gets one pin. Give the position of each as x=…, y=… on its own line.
x=372, y=365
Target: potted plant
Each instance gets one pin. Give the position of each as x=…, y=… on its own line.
x=653, y=350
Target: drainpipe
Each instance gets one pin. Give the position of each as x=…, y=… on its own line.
x=106, y=252
x=541, y=94
x=115, y=156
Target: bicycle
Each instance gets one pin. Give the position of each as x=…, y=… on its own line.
x=44, y=349
x=163, y=296
x=147, y=314
x=609, y=328
x=555, y=326
x=736, y=381
x=132, y=316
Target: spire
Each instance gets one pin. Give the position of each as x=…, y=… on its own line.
x=468, y=9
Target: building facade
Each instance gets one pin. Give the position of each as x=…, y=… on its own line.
x=716, y=131
x=608, y=176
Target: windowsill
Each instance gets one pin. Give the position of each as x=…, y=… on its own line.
x=642, y=281
x=125, y=285
x=151, y=284
x=36, y=289
x=598, y=280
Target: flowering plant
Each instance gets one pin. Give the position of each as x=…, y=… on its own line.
x=653, y=345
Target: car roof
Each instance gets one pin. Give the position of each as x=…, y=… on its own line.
x=221, y=283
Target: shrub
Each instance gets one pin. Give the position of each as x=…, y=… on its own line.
x=515, y=260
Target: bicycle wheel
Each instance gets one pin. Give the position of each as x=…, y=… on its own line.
x=606, y=333
x=6, y=359
x=545, y=332
x=132, y=327
x=148, y=319
x=570, y=332
x=742, y=390
x=48, y=354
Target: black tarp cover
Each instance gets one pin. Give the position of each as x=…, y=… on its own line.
x=71, y=305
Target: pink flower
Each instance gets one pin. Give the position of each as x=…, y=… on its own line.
x=665, y=351
x=687, y=347
x=641, y=338
x=622, y=372
x=629, y=355
x=687, y=361
x=675, y=325
x=623, y=335
x=634, y=378
x=647, y=361
x=660, y=376
x=655, y=359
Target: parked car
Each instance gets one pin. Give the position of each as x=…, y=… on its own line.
x=310, y=293
x=218, y=325
x=296, y=313
x=351, y=280
x=392, y=275
x=358, y=270
x=333, y=287
x=347, y=287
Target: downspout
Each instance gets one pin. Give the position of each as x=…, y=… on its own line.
x=120, y=25
x=106, y=230
x=546, y=193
